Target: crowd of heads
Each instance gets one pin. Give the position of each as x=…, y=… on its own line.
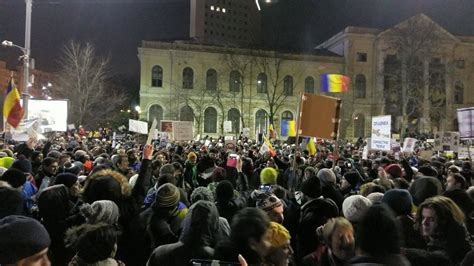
x=74, y=200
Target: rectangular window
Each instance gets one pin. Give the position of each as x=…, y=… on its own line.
x=361, y=57
x=460, y=63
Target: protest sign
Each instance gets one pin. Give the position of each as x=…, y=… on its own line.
x=463, y=152
x=409, y=144
x=153, y=132
x=246, y=132
x=138, y=126
x=27, y=129
x=446, y=141
x=380, y=138
x=466, y=123
x=183, y=130
x=319, y=116
x=227, y=126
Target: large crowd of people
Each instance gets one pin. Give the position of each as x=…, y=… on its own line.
x=81, y=200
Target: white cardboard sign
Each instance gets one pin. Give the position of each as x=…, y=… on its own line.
x=380, y=138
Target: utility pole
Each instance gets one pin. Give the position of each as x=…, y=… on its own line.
x=26, y=57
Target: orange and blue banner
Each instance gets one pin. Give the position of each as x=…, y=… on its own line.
x=12, y=110
x=334, y=83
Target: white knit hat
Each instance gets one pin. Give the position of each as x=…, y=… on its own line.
x=354, y=207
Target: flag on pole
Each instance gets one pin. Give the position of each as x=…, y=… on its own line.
x=310, y=146
x=271, y=132
x=267, y=146
x=288, y=128
x=12, y=110
x=334, y=83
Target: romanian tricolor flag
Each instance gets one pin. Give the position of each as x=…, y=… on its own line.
x=334, y=83
x=12, y=110
x=288, y=128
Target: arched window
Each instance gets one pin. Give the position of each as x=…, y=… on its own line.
x=360, y=85
x=210, y=120
x=262, y=83
x=186, y=113
x=157, y=76
x=287, y=115
x=359, y=126
x=211, y=80
x=261, y=118
x=234, y=81
x=309, y=84
x=234, y=116
x=155, y=112
x=288, y=85
x=459, y=93
x=188, y=78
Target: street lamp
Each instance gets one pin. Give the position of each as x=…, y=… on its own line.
x=26, y=72
x=26, y=54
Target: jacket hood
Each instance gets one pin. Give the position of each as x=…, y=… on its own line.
x=53, y=203
x=201, y=225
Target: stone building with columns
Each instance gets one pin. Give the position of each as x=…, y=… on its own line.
x=415, y=63
x=210, y=84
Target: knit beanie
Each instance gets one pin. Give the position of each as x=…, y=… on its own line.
x=354, y=207
x=428, y=171
x=326, y=176
x=279, y=235
x=352, y=177
x=66, y=179
x=202, y=193
x=6, y=162
x=14, y=177
x=394, y=170
x=375, y=197
x=167, y=196
x=268, y=201
x=11, y=202
x=2, y=170
x=268, y=176
x=23, y=165
x=425, y=187
x=399, y=200
x=21, y=237
x=167, y=169
x=192, y=156
x=219, y=174
x=55, y=154
x=224, y=191
x=311, y=187
x=73, y=168
x=102, y=211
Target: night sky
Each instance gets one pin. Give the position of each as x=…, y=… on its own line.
x=116, y=27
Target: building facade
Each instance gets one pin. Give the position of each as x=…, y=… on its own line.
x=213, y=84
x=210, y=85
x=415, y=71
x=225, y=22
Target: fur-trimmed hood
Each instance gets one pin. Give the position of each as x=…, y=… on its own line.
x=106, y=185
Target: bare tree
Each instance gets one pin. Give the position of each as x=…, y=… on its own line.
x=279, y=86
x=414, y=43
x=83, y=79
x=240, y=64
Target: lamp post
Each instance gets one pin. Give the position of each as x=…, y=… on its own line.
x=26, y=55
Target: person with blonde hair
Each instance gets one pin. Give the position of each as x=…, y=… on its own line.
x=280, y=253
x=338, y=245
